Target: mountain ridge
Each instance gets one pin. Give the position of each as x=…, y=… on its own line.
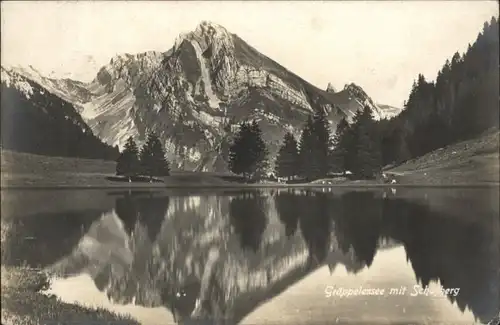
x=194, y=94
x=55, y=128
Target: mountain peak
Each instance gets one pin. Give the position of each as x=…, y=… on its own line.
x=330, y=88
x=26, y=71
x=207, y=34
x=208, y=28
x=183, y=89
x=356, y=91
x=353, y=87
x=120, y=58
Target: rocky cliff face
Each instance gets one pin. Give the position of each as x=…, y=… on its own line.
x=390, y=111
x=194, y=95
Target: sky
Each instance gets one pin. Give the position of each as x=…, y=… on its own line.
x=380, y=45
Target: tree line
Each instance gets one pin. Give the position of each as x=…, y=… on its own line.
x=462, y=103
x=150, y=160
x=354, y=147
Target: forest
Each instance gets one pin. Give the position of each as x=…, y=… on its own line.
x=462, y=103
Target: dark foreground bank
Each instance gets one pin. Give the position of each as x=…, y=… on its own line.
x=23, y=303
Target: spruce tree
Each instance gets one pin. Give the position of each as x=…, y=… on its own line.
x=239, y=155
x=259, y=152
x=153, y=159
x=339, y=147
x=321, y=131
x=127, y=163
x=307, y=160
x=368, y=155
x=314, y=154
x=349, y=143
x=248, y=152
x=399, y=150
x=287, y=158
x=364, y=158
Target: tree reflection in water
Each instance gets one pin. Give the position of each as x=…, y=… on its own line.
x=265, y=243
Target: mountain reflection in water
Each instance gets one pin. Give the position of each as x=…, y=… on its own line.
x=258, y=257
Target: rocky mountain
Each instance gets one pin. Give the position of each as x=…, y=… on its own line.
x=352, y=98
x=194, y=95
x=389, y=111
x=37, y=121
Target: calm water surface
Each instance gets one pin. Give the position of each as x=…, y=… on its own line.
x=405, y=256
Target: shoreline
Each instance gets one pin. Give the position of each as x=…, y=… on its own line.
x=244, y=186
x=24, y=302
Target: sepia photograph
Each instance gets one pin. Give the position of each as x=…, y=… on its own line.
x=250, y=162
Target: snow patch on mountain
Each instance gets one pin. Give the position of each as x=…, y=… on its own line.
x=389, y=111
x=28, y=72
x=89, y=111
x=69, y=90
x=12, y=79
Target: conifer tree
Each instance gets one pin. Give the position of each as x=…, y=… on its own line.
x=239, y=156
x=287, y=158
x=307, y=160
x=321, y=131
x=461, y=104
x=248, y=152
x=127, y=163
x=153, y=159
x=363, y=153
x=339, y=147
x=314, y=144
x=259, y=152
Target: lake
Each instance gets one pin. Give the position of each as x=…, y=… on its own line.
x=270, y=256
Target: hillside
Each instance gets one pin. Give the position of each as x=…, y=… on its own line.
x=29, y=170
x=37, y=121
x=461, y=104
x=468, y=162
